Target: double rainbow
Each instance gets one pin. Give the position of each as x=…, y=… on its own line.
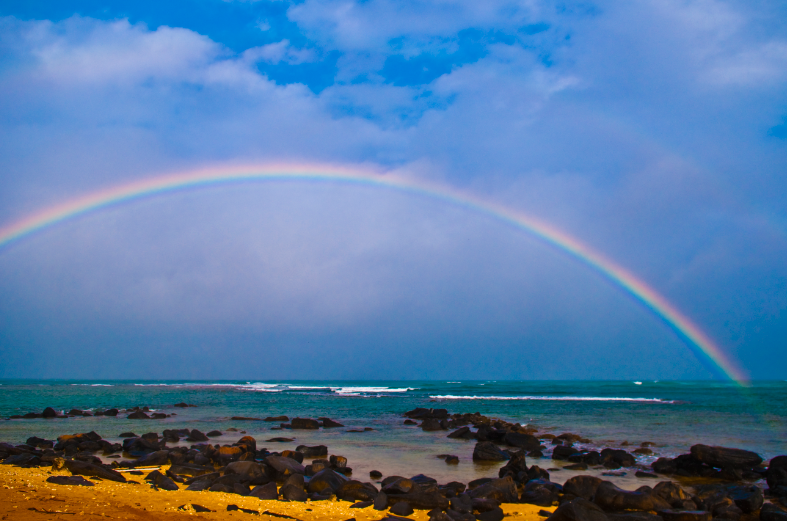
x=700, y=344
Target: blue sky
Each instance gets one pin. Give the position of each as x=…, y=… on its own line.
x=654, y=131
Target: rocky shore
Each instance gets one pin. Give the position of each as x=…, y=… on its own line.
x=703, y=484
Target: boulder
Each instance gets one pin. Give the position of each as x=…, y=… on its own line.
x=611, y=498
x=463, y=433
x=284, y=466
x=402, y=508
x=488, y=451
x=503, y=490
x=328, y=423
x=138, y=415
x=305, y=423
x=248, y=470
x=213, y=434
x=523, y=441
x=375, y=474
x=267, y=491
x=49, y=413
x=40, y=443
x=431, y=424
x=748, y=499
x=338, y=462
x=196, y=435
x=541, y=492
x=381, y=501
x=160, y=457
x=582, y=486
x=723, y=458
x=161, y=481
x=312, y=452
x=292, y=492
x=353, y=490
x=578, y=509
x=419, y=500
x=562, y=452
x=672, y=493
x=70, y=480
x=770, y=512
x=496, y=514
x=326, y=480
x=685, y=515
x=89, y=469
x=276, y=419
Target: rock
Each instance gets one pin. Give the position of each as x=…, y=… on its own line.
x=196, y=435
x=616, y=458
x=285, y=466
x=399, y=485
x=128, y=435
x=578, y=509
x=280, y=440
x=312, y=452
x=582, y=486
x=191, y=470
x=452, y=460
x=672, y=493
x=305, y=423
x=88, y=469
x=326, y=480
x=431, y=424
x=248, y=470
x=641, y=474
x=328, y=423
x=461, y=433
x=161, y=481
x=70, y=480
x=213, y=434
x=184, y=404
x=562, y=452
x=419, y=500
x=503, y=490
x=111, y=412
x=138, y=415
x=338, y=462
x=685, y=515
x=722, y=457
x=495, y=514
x=292, y=492
x=611, y=498
x=362, y=504
x=771, y=512
x=381, y=501
x=49, y=413
x=488, y=451
x=160, y=457
x=402, y=508
x=541, y=492
x=40, y=443
x=276, y=419
x=633, y=516
x=267, y=491
x=522, y=441
x=375, y=474
x=352, y=490
x=748, y=499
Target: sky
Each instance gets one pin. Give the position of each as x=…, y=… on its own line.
x=655, y=132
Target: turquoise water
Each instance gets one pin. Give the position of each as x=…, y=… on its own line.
x=674, y=415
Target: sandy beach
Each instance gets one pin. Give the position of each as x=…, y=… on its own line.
x=25, y=494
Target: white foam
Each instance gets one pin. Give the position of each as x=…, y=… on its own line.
x=637, y=383
x=351, y=390
x=555, y=398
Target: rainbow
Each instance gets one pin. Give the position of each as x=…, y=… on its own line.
x=700, y=344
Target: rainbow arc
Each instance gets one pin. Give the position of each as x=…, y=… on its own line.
x=701, y=345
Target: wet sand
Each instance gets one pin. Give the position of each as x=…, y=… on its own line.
x=25, y=494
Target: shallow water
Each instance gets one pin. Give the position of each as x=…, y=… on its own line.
x=673, y=415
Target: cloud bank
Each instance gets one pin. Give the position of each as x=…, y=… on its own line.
x=649, y=130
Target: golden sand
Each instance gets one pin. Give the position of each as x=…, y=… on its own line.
x=25, y=494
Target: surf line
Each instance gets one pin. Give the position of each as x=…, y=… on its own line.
x=695, y=339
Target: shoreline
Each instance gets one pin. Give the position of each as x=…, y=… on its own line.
x=25, y=494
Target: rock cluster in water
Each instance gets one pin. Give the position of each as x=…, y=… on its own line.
x=727, y=489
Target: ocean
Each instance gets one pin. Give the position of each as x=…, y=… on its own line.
x=672, y=415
